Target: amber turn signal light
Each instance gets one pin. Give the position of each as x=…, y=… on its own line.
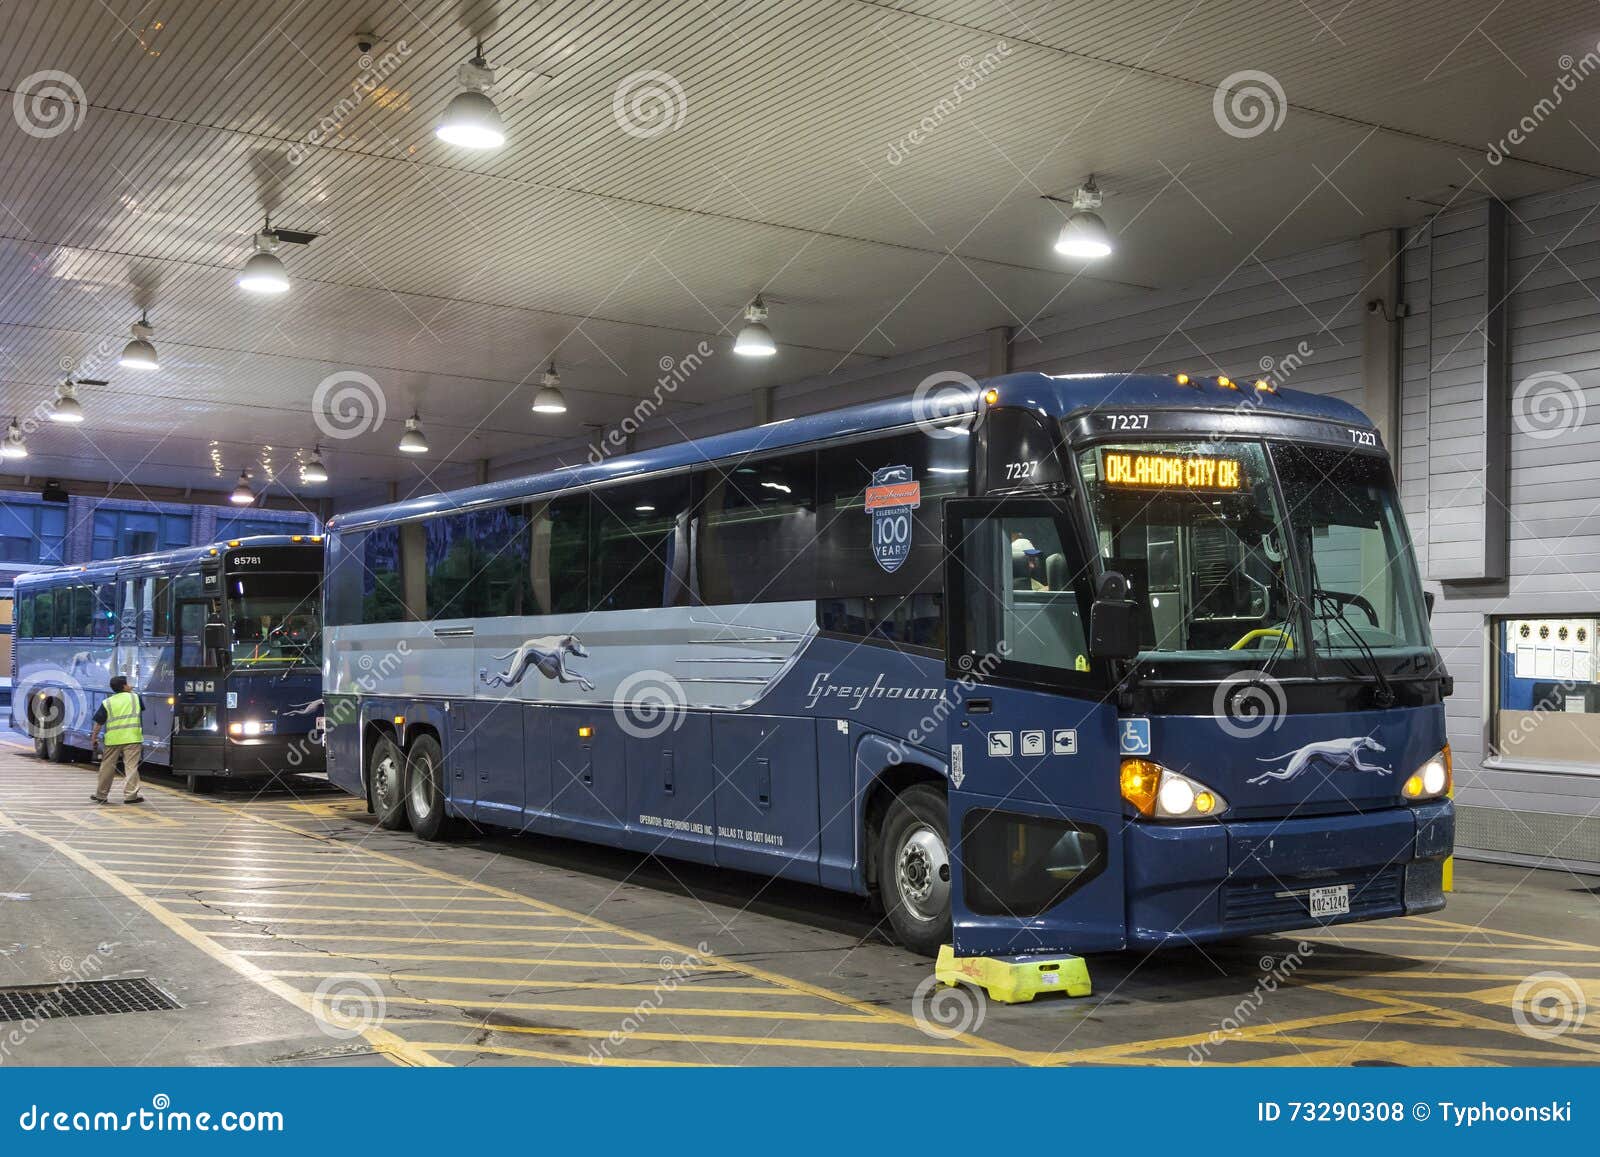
x=1141, y=779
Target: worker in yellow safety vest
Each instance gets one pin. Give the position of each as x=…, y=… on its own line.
x=119, y=717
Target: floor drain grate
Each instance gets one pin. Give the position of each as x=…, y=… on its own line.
x=85, y=998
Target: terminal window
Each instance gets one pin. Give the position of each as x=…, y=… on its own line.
x=1546, y=699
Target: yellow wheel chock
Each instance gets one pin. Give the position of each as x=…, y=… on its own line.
x=1014, y=979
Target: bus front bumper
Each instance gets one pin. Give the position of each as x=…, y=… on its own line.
x=1198, y=882
x=267, y=755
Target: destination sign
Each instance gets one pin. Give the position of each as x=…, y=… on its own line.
x=1174, y=471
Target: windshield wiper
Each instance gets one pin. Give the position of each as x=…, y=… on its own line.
x=1383, y=694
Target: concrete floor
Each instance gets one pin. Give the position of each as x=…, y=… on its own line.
x=294, y=931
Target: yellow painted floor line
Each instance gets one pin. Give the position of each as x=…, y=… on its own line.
x=406, y=901
x=222, y=858
x=567, y=1058
x=861, y=1007
x=242, y=878
x=1464, y=928
x=381, y=1039
x=930, y=1049
x=307, y=907
x=552, y=985
x=1413, y=975
x=425, y=941
x=622, y=1010
x=530, y=961
x=281, y=922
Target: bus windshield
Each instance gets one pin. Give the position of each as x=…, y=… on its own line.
x=275, y=620
x=1208, y=547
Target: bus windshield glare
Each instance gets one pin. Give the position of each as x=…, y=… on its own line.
x=1208, y=542
x=276, y=620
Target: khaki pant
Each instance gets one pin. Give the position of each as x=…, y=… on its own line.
x=129, y=754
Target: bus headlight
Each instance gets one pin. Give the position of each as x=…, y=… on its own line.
x=1431, y=780
x=1163, y=794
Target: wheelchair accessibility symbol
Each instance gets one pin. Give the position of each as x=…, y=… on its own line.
x=1135, y=736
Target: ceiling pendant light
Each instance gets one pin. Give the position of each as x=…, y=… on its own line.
x=242, y=494
x=264, y=272
x=549, y=399
x=13, y=446
x=314, y=471
x=139, y=354
x=413, y=441
x=471, y=120
x=1084, y=234
x=755, y=339
x=67, y=408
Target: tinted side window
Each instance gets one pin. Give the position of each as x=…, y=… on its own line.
x=25, y=617
x=559, y=555
x=161, y=622
x=382, y=598
x=104, y=625
x=640, y=544
x=82, y=611
x=44, y=614
x=500, y=583
x=756, y=529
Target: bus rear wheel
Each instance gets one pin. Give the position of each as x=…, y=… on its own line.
x=48, y=741
x=386, y=778
x=914, y=871
x=425, y=789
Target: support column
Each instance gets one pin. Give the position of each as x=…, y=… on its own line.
x=999, y=351
x=1380, y=334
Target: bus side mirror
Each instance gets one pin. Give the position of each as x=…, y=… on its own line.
x=1112, y=631
x=1427, y=601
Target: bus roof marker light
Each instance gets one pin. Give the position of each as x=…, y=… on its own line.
x=549, y=399
x=413, y=441
x=991, y=396
x=1265, y=387
x=755, y=339
x=1227, y=383
x=242, y=494
x=1183, y=379
x=1084, y=234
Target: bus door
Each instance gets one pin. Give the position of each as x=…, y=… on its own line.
x=1035, y=804
x=199, y=685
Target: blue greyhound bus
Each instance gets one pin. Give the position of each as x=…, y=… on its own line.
x=1069, y=663
x=224, y=644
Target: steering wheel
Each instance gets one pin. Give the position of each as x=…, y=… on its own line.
x=1259, y=633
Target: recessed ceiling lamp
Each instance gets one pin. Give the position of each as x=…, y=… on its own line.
x=755, y=339
x=139, y=354
x=1084, y=234
x=242, y=494
x=264, y=272
x=13, y=446
x=471, y=120
x=67, y=408
x=413, y=441
x=549, y=399
x=314, y=471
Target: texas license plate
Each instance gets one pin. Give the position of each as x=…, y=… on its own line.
x=1334, y=901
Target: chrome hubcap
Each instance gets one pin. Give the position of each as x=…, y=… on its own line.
x=384, y=777
x=922, y=870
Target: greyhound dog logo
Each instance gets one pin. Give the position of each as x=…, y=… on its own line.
x=547, y=654
x=1334, y=754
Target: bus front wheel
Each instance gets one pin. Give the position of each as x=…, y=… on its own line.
x=425, y=789
x=387, y=782
x=914, y=872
